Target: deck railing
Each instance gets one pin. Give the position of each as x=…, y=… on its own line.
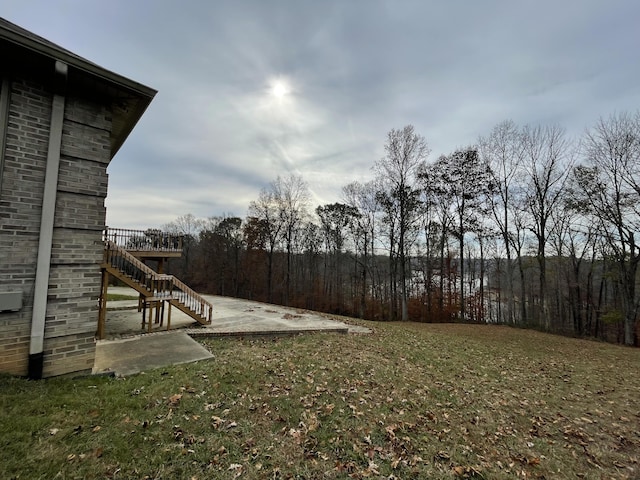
x=157, y=284
x=192, y=300
x=151, y=240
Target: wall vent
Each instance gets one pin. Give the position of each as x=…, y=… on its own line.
x=10, y=301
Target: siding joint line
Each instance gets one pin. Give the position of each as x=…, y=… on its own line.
x=4, y=119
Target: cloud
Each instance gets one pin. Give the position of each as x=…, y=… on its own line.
x=214, y=135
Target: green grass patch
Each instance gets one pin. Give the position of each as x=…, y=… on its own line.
x=408, y=401
x=118, y=296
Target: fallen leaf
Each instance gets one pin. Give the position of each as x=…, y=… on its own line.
x=296, y=434
x=459, y=471
x=216, y=421
x=237, y=469
x=467, y=472
x=442, y=456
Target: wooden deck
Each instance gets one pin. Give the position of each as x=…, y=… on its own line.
x=124, y=258
x=151, y=243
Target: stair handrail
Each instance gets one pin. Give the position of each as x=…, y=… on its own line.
x=155, y=283
x=161, y=286
x=192, y=300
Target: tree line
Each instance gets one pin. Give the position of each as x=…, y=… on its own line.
x=527, y=227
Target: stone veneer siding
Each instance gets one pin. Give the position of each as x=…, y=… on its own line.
x=77, y=249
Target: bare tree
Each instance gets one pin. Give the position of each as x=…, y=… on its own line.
x=438, y=221
x=219, y=247
x=573, y=237
x=362, y=198
x=335, y=220
x=189, y=227
x=291, y=195
x=467, y=182
x=311, y=243
x=547, y=161
x=406, y=152
x=434, y=234
x=502, y=150
x=185, y=224
x=265, y=225
x=610, y=188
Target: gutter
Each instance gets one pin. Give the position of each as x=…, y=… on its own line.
x=43, y=266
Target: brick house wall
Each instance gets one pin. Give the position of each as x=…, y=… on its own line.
x=74, y=278
x=77, y=248
x=21, y=192
x=92, y=131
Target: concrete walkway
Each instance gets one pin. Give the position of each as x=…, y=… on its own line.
x=127, y=348
x=128, y=356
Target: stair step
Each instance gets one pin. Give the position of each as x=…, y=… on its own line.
x=181, y=295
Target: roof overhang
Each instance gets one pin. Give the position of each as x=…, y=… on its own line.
x=129, y=99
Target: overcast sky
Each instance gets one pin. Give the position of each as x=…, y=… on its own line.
x=348, y=72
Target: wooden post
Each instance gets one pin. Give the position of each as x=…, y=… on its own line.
x=150, y=321
x=169, y=317
x=102, y=315
x=155, y=313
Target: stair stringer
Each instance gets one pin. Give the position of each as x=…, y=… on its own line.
x=156, y=286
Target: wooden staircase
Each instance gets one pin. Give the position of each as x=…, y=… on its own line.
x=154, y=288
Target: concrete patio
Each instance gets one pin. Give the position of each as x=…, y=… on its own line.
x=128, y=349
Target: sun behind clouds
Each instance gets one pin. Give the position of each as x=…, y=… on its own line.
x=279, y=89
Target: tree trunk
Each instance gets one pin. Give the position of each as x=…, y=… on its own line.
x=441, y=299
x=523, y=292
x=462, y=300
x=270, y=275
x=629, y=272
x=482, y=267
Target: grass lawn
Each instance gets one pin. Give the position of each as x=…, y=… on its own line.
x=408, y=401
x=118, y=296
